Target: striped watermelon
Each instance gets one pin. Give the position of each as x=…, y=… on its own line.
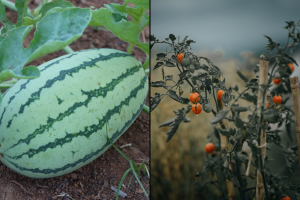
x=54, y=124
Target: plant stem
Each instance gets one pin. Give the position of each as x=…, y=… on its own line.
x=146, y=109
x=12, y=6
x=130, y=47
x=146, y=63
x=68, y=49
x=4, y=85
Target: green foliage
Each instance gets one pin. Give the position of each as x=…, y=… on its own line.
x=114, y=17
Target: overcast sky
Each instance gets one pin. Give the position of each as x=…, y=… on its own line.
x=230, y=25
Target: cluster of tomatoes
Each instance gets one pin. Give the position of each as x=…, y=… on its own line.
x=277, y=81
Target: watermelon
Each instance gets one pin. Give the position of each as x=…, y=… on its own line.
x=59, y=122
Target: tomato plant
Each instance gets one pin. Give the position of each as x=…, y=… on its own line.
x=230, y=162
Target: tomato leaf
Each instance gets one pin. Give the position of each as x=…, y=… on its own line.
x=158, y=64
x=242, y=76
x=174, y=59
x=158, y=84
x=154, y=101
x=152, y=38
x=238, y=108
x=169, y=64
x=174, y=96
x=249, y=97
x=224, y=132
x=172, y=37
x=183, y=74
x=169, y=78
x=160, y=56
x=175, y=124
x=220, y=115
x=238, y=121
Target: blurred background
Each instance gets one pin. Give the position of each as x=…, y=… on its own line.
x=231, y=34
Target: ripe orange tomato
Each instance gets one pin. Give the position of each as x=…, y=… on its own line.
x=286, y=198
x=194, y=97
x=180, y=56
x=197, y=108
x=209, y=148
x=277, y=99
x=268, y=104
x=291, y=66
x=220, y=94
x=276, y=81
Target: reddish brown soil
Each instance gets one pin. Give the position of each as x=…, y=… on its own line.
x=94, y=180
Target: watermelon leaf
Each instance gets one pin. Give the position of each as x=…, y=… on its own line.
x=29, y=21
x=139, y=3
x=69, y=24
x=55, y=4
x=21, y=6
x=114, y=17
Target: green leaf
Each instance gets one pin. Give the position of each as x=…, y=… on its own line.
x=139, y=16
x=224, y=132
x=160, y=56
x=158, y=84
x=120, y=184
x=242, y=76
x=29, y=21
x=158, y=64
x=57, y=4
x=139, y=3
x=174, y=96
x=4, y=20
x=30, y=72
x=27, y=73
x=238, y=121
x=238, y=108
x=220, y=115
x=21, y=6
x=53, y=32
x=137, y=178
x=125, y=30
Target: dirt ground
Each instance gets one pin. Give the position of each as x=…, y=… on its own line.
x=94, y=180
